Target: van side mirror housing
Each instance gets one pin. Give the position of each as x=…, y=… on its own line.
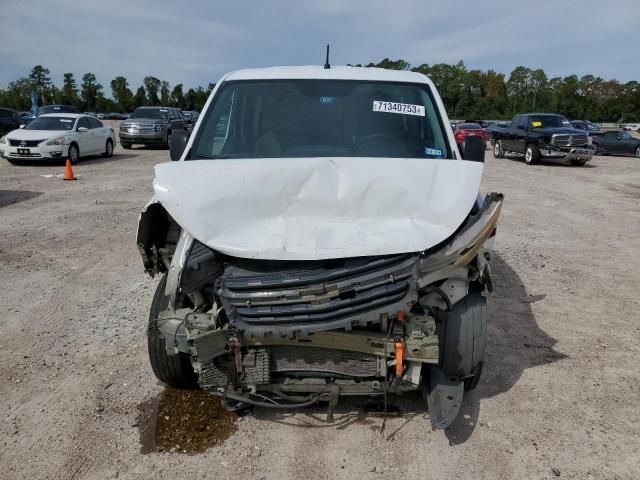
x=472, y=149
x=178, y=143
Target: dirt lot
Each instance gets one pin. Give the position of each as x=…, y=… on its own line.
x=561, y=389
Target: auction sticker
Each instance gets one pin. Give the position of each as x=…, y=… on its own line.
x=402, y=108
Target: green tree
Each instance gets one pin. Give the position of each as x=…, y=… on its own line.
x=91, y=92
x=152, y=87
x=177, y=96
x=69, y=94
x=122, y=94
x=40, y=78
x=165, y=93
x=140, y=98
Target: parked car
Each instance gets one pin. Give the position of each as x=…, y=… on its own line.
x=320, y=237
x=151, y=126
x=47, y=109
x=464, y=130
x=617, y=143
x=546, y=136
x=58, y=136
x=587, y=126
x=9, y=120
x=190, y=117
x=496, y=128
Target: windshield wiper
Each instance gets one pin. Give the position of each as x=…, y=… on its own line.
x=213, y=157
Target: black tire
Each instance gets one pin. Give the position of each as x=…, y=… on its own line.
x=126, y=146
x=108, y=149
x=470, y=383
x=498, y=151
x=74, y=153
x=174, y=370
x=462, y=335
x=578, y=163
x=531, y=154
x=169, y=133
x=638, y=152
x=597, y=147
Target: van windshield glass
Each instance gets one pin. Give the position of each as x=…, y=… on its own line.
x=320, y=118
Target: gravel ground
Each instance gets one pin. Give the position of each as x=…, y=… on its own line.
x=559, y=396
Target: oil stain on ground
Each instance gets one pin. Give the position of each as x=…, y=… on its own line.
x=184, y=421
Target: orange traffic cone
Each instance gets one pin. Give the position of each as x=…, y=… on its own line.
x=68, y=171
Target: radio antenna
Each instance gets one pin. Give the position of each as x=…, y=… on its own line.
x=326, y=63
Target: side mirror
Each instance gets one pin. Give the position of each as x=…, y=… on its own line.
x=472, y=149
x=178, y=143
x=83, y=129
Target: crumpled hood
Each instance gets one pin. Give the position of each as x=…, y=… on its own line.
x=318, y=208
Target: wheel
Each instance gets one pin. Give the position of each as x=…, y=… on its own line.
x=597, y=147
x=108, y=149
x=638, y=152
x=498, y=151
x=168, y=138
x=174, y=370
x=74, y=153
x=462, y=334
x=126, y=146
x=578, y=163
x=531, y=155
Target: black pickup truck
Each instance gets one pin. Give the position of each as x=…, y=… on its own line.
x=537, y=136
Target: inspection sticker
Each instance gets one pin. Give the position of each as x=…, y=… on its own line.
x=402, y=108
x=433, y=152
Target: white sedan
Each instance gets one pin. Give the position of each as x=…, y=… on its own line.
x=58, y=136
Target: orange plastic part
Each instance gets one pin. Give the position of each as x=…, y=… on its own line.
x=399, y=357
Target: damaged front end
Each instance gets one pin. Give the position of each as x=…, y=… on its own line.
x=290, y=333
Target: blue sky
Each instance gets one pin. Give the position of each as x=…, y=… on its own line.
x=194, y=42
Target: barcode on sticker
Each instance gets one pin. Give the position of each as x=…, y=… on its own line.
x=402, y=108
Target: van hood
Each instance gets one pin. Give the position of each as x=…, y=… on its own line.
x=318, y=208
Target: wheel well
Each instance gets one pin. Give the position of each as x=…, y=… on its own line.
x=157, y=238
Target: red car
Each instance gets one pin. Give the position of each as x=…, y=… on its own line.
x=463, y=130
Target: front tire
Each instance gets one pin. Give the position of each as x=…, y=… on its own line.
x=169, y=139
x=638, y=152
x=578, y=163
x=126, y=146
x=74, y=153
x=498, y=151
x=462, y=335
x=108, y=149
x=531, y=155
x=174, y=370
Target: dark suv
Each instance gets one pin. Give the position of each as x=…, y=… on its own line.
x=9, y=120
x=151, y=126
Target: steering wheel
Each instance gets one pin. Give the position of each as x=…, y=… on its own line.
x=373, y=137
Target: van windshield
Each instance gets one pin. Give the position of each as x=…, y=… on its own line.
x=321, y=118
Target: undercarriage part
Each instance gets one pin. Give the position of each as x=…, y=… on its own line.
x=444, y=397
x=257, y=367
x=267, y=297
x=213, y=377
x=320, y=360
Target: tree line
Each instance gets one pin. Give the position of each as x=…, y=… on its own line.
x=467, y=94
x=90, y=95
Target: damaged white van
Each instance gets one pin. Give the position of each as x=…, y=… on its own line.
x=319, y=234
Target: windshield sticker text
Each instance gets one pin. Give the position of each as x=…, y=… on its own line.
x=402, y=108
x=433, y=152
